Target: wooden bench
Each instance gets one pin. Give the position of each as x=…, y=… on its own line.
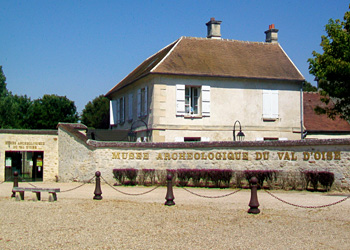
x=37, y=191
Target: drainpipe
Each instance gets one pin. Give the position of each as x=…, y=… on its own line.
x=301, y=112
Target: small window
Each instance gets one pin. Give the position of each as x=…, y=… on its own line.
x=270, y=139
x=187, y=139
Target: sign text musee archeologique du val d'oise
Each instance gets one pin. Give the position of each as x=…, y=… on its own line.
x=229, y=155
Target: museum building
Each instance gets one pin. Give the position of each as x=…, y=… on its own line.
x=198, y=89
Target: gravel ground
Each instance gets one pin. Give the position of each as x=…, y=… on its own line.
x=118, y=221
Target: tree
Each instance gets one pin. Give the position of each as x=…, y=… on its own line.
x=48, y=111
x=307, y=87
x=96, y=113
x=332, y=68
x=3, y=89
x=13, y=109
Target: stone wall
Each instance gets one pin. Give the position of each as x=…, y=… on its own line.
x=79, y=158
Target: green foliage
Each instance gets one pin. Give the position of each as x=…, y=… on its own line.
x=13, y=108
x=48, y=111
x=19, y=112
x=96, y=113
x=332, y=68
x=3, y=89
x=308, y=87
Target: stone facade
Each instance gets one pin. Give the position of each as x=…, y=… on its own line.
x=166, y=126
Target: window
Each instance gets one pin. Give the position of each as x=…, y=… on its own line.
x=113, y=112
x=117, y=111
x=121, y=110
x=192, y=100
x=130, y=113
x=142, y=102
x=192, y=139
x=270, y=104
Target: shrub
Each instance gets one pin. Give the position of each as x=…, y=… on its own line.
x=197, y=175
x=119, y=175
x=148, y=174
x=261, y=175
x=325, y=178
x=183, y=175
x=131, y=174
x=311, y=177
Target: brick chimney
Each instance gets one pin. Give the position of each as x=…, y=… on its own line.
x=213, y=29
x=271, y=34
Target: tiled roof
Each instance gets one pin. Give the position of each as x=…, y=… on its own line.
x=219, y=58
x=321, y=123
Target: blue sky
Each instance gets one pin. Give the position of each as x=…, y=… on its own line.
x=81, y=49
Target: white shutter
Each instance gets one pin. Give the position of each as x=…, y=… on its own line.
x=145, y=102
x=122, y=110
x=274, y=104
x=180, y=99
x=112, y=112
x=130, y=100
x=118, y=111
x=139, y=103
x=205, y=139
x=205, y=100
x=179, y=139
x=270, y=104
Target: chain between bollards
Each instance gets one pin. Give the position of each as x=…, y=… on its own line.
x=98, y=191
x=254, y=203
x=169, y=193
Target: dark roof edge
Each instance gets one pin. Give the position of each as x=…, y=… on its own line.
x=29, y=131
x=219, y=144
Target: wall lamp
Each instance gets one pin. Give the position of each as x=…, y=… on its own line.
x=240, y=134
x=132, y=135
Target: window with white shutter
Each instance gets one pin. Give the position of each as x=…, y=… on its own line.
x=118, y=111
x=142, y=102
x=192, y=100
x=122, y=110
x=205, y=100
x=113, y=112
x=270, y=104
x=130, y=107
x=180, y=99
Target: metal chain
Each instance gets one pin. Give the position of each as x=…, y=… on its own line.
x=129, y=193
x=211, y=197
x=23, y=180
x=71, y=189
x=301, y=206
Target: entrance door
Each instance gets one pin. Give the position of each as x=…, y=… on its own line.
x=29, y=165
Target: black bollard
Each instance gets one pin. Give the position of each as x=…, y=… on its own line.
x=254, y=203
x=169, y=193
x=98, y=191
x=15, y=183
